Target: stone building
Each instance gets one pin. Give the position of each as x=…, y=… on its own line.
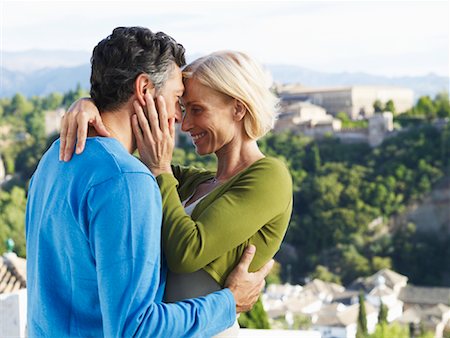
x=355, y=101
x=307, y=118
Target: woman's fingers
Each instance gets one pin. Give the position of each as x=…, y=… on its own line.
x=82, y=131
x=137, y=131
x=97, y=123
x=162, y=113
x=152, y=115
x=62, y=144
x=75, y=124
x=71, y=138
x=142, y=121
x=172, y=128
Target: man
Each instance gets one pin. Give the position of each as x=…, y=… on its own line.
x=93, y=225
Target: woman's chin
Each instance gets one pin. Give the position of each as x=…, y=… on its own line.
x=202, y=151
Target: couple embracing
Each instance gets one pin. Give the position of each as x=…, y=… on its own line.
x=121, y=247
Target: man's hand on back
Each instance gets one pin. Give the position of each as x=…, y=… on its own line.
x=246, y=286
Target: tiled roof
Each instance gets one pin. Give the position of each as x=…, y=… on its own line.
x=417, y=314
x=317, y=287
x=12, y=273
x=425, y=295
x=381, y=291
x=385, y=276
x=343, y=318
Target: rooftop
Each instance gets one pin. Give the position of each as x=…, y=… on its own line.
x=383, y=277
x=425, y=295
x=13, y=272
x=343, y=317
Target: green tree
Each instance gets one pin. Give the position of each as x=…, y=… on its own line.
x=390, y=331
x=361, y=331
x=382, y=314
x=378, y=106
x=12, y=218
x=390, y=107
x=312, y=160
x=274, y=276
x=19, y=106
x=426, y=107
x=343, y=116
x=379, y=263
x=442, y=105
x=325, y=275
x=52, y=101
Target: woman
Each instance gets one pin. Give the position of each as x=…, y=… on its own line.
x=210, y=217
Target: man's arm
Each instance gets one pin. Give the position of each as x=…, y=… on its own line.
x=125, y=226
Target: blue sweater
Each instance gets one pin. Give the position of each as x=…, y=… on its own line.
x=94, y=262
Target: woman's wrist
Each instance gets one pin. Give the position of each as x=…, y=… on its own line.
x=156, y=171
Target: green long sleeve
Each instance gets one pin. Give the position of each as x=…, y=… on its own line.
x=253, y=207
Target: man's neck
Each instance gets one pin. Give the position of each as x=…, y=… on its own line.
x=118, y=123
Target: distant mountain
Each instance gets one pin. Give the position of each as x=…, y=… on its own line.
x=43, y=81
x=430, y=84
x=62, y=76
x=33, y=60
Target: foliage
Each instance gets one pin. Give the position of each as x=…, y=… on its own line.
x=361, y=330
x=390, y=107
x=256, y=318
x=274, y=275
x=389, y=331
x=383, y=314
x=321, y=272
x=348, y=123
x=12, y=216
x=429, y=108
x=378, y=106
x=339, y=190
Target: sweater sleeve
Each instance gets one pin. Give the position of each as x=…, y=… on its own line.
x=259, y=196
x=183, y=173
x=124, y=235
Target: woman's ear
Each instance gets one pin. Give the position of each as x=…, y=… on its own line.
x=142, y=84
x=239, y=110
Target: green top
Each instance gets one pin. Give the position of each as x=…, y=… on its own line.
x=253, y=207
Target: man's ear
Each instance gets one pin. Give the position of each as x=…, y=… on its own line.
x=239, y=110
x=142, y=84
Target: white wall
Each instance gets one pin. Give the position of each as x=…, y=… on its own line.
x=13, y=314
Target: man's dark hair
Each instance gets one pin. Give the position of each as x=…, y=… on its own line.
x=128, y=52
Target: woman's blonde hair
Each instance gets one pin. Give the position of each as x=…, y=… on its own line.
x=239, y=76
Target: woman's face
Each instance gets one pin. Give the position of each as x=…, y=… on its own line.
x=208, y=117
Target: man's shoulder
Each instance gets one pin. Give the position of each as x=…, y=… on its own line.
x=102, y=159
x=115, y=155
x=106, y=158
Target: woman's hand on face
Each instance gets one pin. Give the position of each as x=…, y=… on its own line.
x=155, y=134
x=74, y=127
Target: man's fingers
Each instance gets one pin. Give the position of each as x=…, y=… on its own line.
x=247, y=257
x=264, y=271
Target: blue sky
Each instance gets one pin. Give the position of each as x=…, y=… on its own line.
x=379, y=37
